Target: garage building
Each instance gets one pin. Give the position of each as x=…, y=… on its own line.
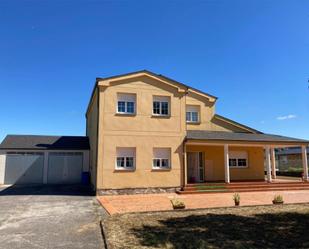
x=31, y=159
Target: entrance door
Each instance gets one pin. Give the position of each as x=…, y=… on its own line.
x=195, y=165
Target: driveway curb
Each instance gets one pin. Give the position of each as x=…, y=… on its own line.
x=104, y=235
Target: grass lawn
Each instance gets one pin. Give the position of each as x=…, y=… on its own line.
x=285, y=226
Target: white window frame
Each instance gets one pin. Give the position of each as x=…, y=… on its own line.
x=161, y=157
x=161, y=100
x=125, y=153
x=238, y=155
x=193, y=109
x=126, y=98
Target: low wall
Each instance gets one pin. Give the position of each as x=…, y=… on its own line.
x=133, y=191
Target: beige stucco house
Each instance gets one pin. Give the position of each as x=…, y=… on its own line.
x=150, y=133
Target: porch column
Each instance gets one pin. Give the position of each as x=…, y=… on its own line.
x=273, y=163
x=185, y=166
x=268, y=166
x=305, y=162
x=226, y=163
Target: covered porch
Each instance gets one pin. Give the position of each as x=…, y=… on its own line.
x=228, y=157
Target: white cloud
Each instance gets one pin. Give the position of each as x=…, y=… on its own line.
x=290, y=116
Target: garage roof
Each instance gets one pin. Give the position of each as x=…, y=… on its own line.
x=34, y=142
x=234, y=136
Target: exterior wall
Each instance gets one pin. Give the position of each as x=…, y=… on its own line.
x=86, y=161
x=2, y=166
x=207, y=119
x=143, y=176
x=214, y=163
x=206, y=111
x=92, y=133
x=220, y=125
x=108, y=130
x=142, y=131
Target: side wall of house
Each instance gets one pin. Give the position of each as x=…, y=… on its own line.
x=92, y=133
x=214, y=163
x=142, y=131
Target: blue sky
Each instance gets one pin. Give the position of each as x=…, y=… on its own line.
x=253, y=55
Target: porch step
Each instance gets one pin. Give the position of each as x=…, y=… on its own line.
x=245, y=186
x=243, y=183
x=239, y=190
x=226, y=188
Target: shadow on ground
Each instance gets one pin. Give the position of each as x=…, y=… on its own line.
x=70, y=190
x=278, y=230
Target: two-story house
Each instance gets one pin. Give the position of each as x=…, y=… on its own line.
x=150, y=133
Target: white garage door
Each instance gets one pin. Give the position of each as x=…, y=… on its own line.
x=23, y=168
x=64, y=167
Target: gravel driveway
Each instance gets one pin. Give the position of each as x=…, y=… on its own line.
x=49, y=217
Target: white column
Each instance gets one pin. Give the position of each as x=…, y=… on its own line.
x=273, y=163
x=226, y=164
x=268, y=166
x=185, y=166
x=305, y=162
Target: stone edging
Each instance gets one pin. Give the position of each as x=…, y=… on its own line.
x=133, y=191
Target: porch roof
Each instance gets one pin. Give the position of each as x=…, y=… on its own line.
x=241, y=137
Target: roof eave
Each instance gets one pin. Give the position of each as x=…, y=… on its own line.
x=181, y=86
x=268, y=142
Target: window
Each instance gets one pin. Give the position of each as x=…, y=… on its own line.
x=126, y=103
x=161, y=158
x=242, y=162
x=160, y=106
x=192, y=114
x=125, y=159
x=238, y=159
x=233, y=162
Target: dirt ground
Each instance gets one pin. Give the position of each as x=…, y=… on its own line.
x=273, y=226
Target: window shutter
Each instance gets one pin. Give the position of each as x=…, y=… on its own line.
x=161, y=153
x=126, y=97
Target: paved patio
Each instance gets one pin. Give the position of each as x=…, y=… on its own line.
x=161, y=202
